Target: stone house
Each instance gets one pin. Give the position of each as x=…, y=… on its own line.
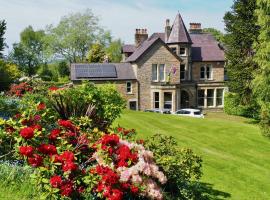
x=170, y=70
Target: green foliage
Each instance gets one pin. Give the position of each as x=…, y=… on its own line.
x=63, y=69
x=30, y=52
x=8, y=74
x=3, y=27
x=242, y=32
x=45, y=73
x=261, y=83
x=181, y=166
x=218, y=35
x=8, y=106
x=233, y=106
x=96, y=54
x=101, y=104
x=114, y=51
x=75, y=33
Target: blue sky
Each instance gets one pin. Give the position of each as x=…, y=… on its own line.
x=122, y=17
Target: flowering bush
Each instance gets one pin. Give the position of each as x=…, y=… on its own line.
x=19, y=89
x=72, y=160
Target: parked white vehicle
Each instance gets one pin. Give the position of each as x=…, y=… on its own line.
x=190, y=113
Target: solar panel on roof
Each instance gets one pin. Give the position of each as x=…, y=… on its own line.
x=95, y=71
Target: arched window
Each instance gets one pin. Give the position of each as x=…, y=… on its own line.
x=202, y=72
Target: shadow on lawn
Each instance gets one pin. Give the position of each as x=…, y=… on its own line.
x=209, y=193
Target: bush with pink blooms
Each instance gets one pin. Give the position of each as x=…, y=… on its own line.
x=79, y=156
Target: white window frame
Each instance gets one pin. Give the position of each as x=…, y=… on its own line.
x=222, y=100
x=129, y=82
x=205, y=67
x=213, y=98
x=184, y=72
x=201, y=106
x=154, y=100
x=184, y=53
x=158, y=73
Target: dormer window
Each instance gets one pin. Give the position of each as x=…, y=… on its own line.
x=182, y=51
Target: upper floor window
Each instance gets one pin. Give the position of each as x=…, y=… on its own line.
x=206, y=72
x=182, y=51
x=158, y=72
x=182, y=72
x=129, y=87
x=173, y=49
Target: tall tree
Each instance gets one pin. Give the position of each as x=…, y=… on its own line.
x=114, y=51
x=30, y=52
x=96, y=54
x=218, y=35
x=242, y=32
x=262, y=57
x=3, y=26
x=75, y=33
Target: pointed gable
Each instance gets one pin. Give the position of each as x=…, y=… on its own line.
x=179, y=33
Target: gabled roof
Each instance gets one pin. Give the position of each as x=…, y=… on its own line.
x=146, y=45
x=206, y=48
x=124, y=71
x=179, y=33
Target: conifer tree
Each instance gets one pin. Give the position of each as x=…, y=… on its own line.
x=242, y=32
x=261, y=82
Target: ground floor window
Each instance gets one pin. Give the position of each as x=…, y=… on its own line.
x=210, y=97
x=219, y=97
x=133, y=105
x=168, y=100
x=156, y=100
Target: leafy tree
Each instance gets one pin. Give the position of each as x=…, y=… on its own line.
x=75, y=33
x=8, y=74
x=242, y=32
x=63, y=69
x=114, y=51
x=46, y=74
x=2, y=39
x=30, y=52
x=96, y=54
x=262, y=57
x=219, y=36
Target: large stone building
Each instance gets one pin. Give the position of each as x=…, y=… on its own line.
x=170, y=70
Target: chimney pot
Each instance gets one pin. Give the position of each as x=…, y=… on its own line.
x=195, y=28
x=140, y=36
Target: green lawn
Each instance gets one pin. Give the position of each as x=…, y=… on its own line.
x=236, y=157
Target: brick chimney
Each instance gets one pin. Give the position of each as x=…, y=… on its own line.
x=140, y=36
x=167, y=30
x=195, y=28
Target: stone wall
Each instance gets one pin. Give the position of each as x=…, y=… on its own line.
x=157, y=54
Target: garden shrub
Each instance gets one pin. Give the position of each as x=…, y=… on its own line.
x=181, y=166
x=9, y=106
x=232, y=106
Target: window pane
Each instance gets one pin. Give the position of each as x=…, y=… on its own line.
x=167, y=100
x=182, y=51
x=128, y=87
x=154, y=72
x=202, y=72
x=182, y=72
x=210, y=97
x=162, y=72
x=209, y=71
x=156, y=100
x=200, y=97
x=174, y=49
x=219, y=97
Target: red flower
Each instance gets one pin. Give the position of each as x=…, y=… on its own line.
x=134, y=189
x=67, y=189
x=67, y=156
x=81, y=189
x=37, y=118
x=36, y=160
x=36, y=127
x=9, y=129
x=48, y=149
x=26, y=150
x=66, y=124
x=27, y=133
x=17, y=116
x=53, y=88
x=140, y=141
x=116, y=195
x=120, y=129
x=125, y=186
x=56, y=181
x=69, y=166
x=111, y=140
x=56, y=158
x=41, y=106
x=54, y=134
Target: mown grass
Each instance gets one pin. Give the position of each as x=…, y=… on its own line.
x=236, y=157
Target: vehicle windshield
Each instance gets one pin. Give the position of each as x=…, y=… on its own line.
x=197, y=113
